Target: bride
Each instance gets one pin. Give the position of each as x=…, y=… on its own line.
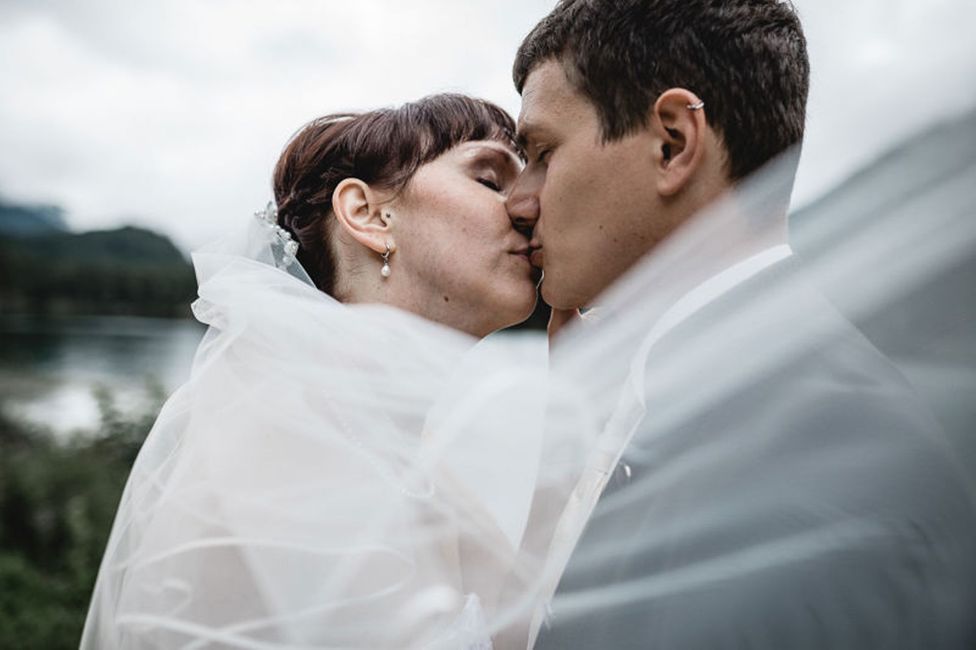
x=303, y=489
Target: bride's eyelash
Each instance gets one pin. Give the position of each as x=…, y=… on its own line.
x=490, y=184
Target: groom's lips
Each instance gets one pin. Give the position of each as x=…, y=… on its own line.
x=536, y=258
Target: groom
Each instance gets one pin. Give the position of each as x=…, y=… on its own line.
x=826, y=518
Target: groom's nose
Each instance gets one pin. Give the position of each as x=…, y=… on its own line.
x=523, y=205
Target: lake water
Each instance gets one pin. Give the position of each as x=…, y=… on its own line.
x=50, y=369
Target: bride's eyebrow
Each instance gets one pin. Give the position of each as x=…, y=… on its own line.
x=487, y=155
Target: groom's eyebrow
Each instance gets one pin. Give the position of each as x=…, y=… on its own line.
x=529, y=133
x=524, y=135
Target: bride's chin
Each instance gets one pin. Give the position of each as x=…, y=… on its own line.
x=510, y=313
x=526, y=305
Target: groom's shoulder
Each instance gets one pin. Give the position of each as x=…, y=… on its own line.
x=772, y=438
x=779, y=318
x=774, y=350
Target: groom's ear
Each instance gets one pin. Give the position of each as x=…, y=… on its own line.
x=357, y=209
x=677, y=121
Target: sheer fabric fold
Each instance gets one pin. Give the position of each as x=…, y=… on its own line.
x=326, y=478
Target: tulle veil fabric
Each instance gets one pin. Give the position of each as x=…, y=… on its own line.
x=338, y=476
x=305, y=487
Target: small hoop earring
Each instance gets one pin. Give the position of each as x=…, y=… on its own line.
x=696, y=106
x=385, y=271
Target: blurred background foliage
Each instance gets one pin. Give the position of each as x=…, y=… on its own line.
x=58, y=493
x=57, y=503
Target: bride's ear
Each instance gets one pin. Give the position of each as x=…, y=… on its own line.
x=357, y=209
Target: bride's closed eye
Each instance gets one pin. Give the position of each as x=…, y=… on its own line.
x=493, y=167
x=490, y=184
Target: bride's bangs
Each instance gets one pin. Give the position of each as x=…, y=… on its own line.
x=447, y=120
x=421, y=131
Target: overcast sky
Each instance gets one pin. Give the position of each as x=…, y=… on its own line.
x=171, y=114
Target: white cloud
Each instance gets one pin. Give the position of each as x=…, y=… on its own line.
x=172, y=114
x=881, y=70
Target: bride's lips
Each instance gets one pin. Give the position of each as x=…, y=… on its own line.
x=527, y=253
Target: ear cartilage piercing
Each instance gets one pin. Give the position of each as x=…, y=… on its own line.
x=695, y=107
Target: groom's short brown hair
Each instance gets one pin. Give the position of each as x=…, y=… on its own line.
x=747, y=59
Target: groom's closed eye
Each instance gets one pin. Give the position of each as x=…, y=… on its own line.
x=536, y=139
x=538, y=151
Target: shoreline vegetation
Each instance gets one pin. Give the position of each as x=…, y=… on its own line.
x=58, y=499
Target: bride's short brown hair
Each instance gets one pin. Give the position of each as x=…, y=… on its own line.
x=383, y=148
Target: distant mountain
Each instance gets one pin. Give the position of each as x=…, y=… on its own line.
x=46, y=270
x=30, y=220
x=137, y=247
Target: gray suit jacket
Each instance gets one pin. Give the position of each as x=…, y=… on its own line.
x=840, y=521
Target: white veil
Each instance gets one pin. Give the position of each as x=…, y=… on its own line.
x=338, y=476
x=304, y=488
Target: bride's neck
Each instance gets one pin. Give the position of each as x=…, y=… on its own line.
x=390, y=291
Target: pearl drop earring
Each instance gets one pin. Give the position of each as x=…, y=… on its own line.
x=386, y=271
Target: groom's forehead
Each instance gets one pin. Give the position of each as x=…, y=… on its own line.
x=545, y=96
